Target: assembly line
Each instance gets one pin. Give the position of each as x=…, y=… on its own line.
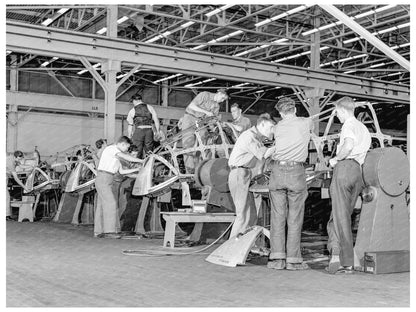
x=208, y=155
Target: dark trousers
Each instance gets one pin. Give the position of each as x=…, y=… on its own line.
x=288, y=193
x=143, y=139
x=347, y=183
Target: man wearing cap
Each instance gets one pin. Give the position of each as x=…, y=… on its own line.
x=346, y=184
x=139, y=129
x=287, y=186
x=247, y=152
x=239, y=123
x=205, y=104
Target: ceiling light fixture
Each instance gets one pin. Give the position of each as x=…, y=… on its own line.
x=102, y=30
x=240, y=85
x=378, y=32
x=49, y=20
x=122, y=19
x=167, y=78
x=46, y=63
x=199, y=83
x=361, y=15
x=187, y=24
x=290, y=12
x=344, y=59
x=226, y=36
x=199, y=47
x=85, y=70
x=218, y=10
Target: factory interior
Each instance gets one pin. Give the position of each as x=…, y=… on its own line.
x=207, y=155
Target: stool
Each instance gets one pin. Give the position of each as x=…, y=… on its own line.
x=173, y=218
x=25, y=208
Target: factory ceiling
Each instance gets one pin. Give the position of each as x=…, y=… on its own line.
x=305, y=36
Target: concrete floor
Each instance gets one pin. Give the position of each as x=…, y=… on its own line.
x=59, y=265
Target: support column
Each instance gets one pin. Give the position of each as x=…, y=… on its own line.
x=112, y=11
x=314, y=94
x=12, y=129
x=110, y=68
x=165, y=93
x=93, y=89
x=408, y=137
x=12, y=118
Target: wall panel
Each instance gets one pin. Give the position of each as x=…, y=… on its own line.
x=52, y=133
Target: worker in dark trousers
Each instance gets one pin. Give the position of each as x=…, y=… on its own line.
x=287, y=186
x=205, y=104
x=346, y=185
x=13, y=161
x=106, y=218
x=247, y=151
x=140, y=119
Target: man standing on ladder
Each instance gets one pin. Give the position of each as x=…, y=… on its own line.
x=140, y=129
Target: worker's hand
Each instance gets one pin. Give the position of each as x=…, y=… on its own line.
x=209, y=114
x=25, y=190
x=333, y=162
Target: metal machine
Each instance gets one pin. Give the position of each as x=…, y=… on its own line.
x=384, y=221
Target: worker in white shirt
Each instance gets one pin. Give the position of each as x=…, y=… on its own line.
x=346, y=185
x=106, y=219
x=247, y=152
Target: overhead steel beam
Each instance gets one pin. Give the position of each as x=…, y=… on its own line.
x=60, y=103
x=366, y=35
x=66, y=44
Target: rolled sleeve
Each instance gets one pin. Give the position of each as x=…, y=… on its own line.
x=348, y=132
x=130, y=117
x=199, y=99
x=257, y=149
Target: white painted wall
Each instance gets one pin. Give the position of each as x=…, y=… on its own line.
x=52, y=133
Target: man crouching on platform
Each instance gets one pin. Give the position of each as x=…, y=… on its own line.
x=287, y=186
x=247, y=151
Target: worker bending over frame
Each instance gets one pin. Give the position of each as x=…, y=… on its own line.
x=247, y=152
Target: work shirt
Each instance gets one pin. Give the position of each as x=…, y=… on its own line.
x=243, y=122
x=292, y=137
x=204, y=100
x=248, y=149
x=132, y=113
x=10, y=165
x=356, y=130
x=109, y=161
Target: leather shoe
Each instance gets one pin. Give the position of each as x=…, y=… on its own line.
x=112, y=235
x=297, y=266
x=345, y=270
x=277, y=264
